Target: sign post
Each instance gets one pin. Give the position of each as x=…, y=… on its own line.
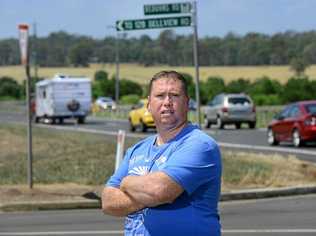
x=196, y=63
x=167, y=22
x=23, y=40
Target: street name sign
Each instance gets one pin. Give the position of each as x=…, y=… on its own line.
x=171, y=8
x=153, y=23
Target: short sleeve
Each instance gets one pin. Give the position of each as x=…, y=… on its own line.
x=194, y=163
x=121, y=172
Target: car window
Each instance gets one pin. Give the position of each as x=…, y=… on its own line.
x=218, y=100
x=285, y=113
x=311, y=108
x=238, y=100
x=294, y=111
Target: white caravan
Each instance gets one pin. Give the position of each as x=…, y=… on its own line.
x=63, y=97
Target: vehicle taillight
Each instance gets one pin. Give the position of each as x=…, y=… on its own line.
x=224, y=109
x=310, y=121
x=254, y=109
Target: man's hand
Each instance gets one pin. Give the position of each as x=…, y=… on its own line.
x=117, y=203
x=152, y=189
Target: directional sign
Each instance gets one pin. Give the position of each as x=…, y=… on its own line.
x=171, y=8
x=153, y=23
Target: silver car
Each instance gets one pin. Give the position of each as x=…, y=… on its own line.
x=230, y=109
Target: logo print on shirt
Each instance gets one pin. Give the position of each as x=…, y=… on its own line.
x=139, y=170
x=160, y=161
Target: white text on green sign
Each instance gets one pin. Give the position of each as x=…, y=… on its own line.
x=153, y=23
x=172, y=8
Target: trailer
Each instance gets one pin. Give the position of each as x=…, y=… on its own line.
x=62, y=97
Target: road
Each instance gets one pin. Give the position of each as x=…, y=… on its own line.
x=266, y=217
x=243, y=139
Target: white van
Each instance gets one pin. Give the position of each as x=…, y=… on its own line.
x=62, y=97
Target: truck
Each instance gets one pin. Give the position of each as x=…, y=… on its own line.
x=62, y=97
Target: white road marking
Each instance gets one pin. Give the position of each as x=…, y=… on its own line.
x=268, y=231
x=263, y=148
x=120, y=232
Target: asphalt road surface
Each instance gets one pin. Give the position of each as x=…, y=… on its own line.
x=266, y=217
x=243, y=139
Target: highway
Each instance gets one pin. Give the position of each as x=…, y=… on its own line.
x=265, y=217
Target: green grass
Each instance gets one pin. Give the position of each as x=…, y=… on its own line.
x=88, y=159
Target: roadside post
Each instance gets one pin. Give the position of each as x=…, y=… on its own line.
x=119, y=148
x=190, y=19
x=23, y=40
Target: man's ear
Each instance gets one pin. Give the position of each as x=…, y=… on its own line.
x=148, y=106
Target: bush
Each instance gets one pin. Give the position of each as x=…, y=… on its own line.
x=10, y=88
x=266, y=100
x=129, y=99
x=298, y=88
x=212, y=87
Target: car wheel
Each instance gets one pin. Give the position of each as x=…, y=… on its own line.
x=207, y=123
x=219, y=123
x=296, y=138
x=252, y=125
x=271, y=137
x=143, y=127
x=131, y=126
x=238, y=125
x=81, y=120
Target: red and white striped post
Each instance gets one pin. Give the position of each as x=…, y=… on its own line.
x=23, y=39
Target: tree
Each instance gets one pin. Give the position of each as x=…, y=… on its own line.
x=298, y=65
x=80, y=53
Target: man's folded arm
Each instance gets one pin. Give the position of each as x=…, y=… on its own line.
x=152, y=189
x=117, y=203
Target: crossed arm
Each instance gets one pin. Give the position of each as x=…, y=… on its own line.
x=138, y=192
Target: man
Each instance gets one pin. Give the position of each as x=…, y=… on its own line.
x=169, y=183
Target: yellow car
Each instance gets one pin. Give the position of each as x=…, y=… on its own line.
x=140, y=117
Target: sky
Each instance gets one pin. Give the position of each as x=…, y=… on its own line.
x=96, y=18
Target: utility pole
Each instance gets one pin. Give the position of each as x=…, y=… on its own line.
x=117, y=66
x=117, y=69
x=196, y=61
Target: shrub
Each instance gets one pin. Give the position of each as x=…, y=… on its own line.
x=129, y=99
x=10, y=88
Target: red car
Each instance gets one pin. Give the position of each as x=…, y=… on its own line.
x=295, y=123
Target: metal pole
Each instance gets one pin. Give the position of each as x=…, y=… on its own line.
x=196, y=62
x=117, y=71
x=35, y=50
x=29, y=126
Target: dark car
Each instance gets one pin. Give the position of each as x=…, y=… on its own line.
x=296, y=123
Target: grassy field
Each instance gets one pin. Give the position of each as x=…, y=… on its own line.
x=88, y=159
x=142, y=74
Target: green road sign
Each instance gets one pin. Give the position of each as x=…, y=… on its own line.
x=171, y=8
x=153, y=23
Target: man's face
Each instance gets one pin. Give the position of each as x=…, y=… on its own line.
x=168, y=103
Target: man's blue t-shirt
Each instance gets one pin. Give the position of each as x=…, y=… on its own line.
x=193, y=160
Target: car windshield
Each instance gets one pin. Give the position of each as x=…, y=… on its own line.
x=311, y=108
x=237, y=100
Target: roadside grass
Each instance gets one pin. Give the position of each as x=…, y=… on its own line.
x=142, y=74
x=63, y=157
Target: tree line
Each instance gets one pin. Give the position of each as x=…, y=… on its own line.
x=264, y=91
x=64, y=49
